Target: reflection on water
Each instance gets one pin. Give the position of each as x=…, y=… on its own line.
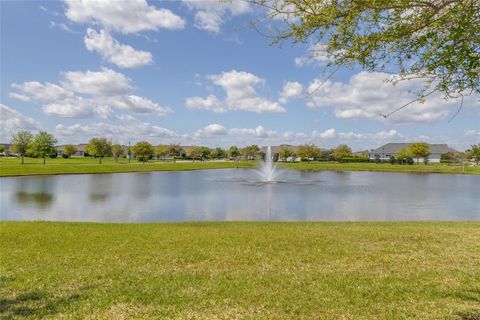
x=38, y=200
x=34, y=193
x=237, y=194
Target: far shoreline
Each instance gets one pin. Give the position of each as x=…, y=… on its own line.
x=11, y=167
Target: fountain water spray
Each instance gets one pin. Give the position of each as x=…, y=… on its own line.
x=268, y=169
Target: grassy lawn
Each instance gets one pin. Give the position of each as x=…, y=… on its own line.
x=232, y=270
x=12, y=166
x=386, y=167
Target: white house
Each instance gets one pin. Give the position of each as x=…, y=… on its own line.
x=391, y=149
x=79, y=153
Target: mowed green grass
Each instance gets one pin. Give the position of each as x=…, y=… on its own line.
x=233, y=270
x=32, y=166
x=385, y=167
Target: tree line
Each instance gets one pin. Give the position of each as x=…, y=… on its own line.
x=42, y=145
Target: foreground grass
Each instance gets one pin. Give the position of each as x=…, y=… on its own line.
x=240, y=270
x=32, y=166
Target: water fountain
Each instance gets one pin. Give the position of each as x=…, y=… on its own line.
x=268, y=170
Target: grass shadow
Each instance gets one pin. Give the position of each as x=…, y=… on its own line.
x=37, y=304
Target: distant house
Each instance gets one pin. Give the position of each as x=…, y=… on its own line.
x=81, y=150
x=391, y=149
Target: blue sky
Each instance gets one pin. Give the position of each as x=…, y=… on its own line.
x=194, y=73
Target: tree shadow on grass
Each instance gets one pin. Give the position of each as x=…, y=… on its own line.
x=37, y=304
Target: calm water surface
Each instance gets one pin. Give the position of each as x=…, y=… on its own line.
x=238, y=194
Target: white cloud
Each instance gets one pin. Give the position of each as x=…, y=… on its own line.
x=47, y=92
x=472, y=133
x=76, y=107
x=138, y=104
x=18, y=96
x=368, y=95
x=61, y=26
x=123, y=16
x=134, y=132
x=291, y=90
x=212, y=130
x=12, y=121
x=327, y=134
x=111, y=50
x=240, y=93
x=210, y=103
x=101, y=83
x=85, y=94
x=210, y=15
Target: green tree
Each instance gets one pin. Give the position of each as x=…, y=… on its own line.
x=219, y=153
x=419, y=150
x=308, y=152
x=2, y=148
x=404, y=156
x=161, y=151
x=251, y=152
x=195, y=153
x=285, y=152
x=21, y=142
x=474, y=153
x=453, y=157
x=117, y=151
x=143, y=151
x=99, y=147
x=175, y=151
x=342, y=151
x=43, y=145
x=234, y=152
x=68, y=150
x=434, y=40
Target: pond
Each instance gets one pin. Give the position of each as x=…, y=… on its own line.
x=239, y=194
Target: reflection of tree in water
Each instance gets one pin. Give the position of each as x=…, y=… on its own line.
x=100, y=187
x=41, y=200
x=36, y=191
x=99, y=197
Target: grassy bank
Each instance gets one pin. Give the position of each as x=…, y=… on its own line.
x=240, y=270
x=32, y=166
x=13, y=167
x=384, y=167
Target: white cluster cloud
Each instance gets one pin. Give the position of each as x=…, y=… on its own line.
x=291, y=90
x=353, y=136
x=239, y=87
x=112, y=51
x=473, y=133
x=12, y=121
x=134, y=131
x=369, y=95
x=210, y=103
x=123, y=16
x=85, y=94
x=211, y=14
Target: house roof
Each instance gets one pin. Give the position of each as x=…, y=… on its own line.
x=79, y=147
x=395, y=147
